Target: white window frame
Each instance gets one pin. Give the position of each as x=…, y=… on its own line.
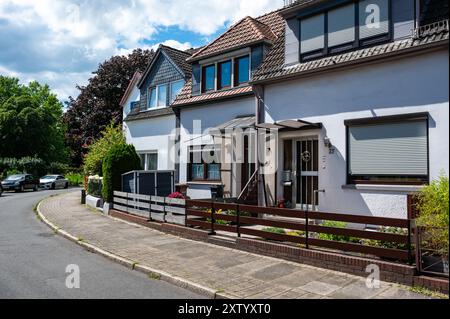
x=146, y=157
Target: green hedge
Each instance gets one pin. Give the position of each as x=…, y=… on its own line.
x=95, y=186
x=120, y=159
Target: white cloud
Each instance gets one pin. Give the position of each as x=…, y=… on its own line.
x=68, y=38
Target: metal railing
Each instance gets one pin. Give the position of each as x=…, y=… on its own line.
x=430, y=29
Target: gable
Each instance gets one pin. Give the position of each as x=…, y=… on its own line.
x=163, y=71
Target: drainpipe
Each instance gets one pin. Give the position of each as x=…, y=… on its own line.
x=259, y=115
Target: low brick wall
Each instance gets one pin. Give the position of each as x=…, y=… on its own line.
x=390, y=272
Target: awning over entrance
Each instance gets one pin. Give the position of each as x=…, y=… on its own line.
x=242, y=123
x=290, y=125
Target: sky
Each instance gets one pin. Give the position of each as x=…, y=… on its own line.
x=61, y=42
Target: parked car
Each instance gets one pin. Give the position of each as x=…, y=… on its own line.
x=20, y=182
x=53, y=182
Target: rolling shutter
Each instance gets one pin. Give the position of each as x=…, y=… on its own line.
x=312, y=32
x=341, y=25
x=398, y=149
x=373, y=18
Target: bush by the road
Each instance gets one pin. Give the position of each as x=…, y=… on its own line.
x=120, y=159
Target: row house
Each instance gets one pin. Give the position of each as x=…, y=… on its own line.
x=330, y=105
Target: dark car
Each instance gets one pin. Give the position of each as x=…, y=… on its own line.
x=20, y=182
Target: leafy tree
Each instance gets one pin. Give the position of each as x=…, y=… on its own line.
x=121, y=158
x=30, y=122
x=97, y=151
x=99, y=102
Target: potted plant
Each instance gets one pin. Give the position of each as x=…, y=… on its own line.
x=432, y=204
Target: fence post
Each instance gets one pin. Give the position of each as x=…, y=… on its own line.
x=307, y=229
x=164, y=210
x=238, y=220
x=186, y=213
x=409, y=242
x=127, y=204
x=213, y=211
x=418, y=249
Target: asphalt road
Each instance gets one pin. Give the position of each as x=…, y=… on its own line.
x=33, y=261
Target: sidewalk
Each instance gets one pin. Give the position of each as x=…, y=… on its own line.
x=206, y=267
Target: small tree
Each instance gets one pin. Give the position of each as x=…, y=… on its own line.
x=433, y=208
x=93, y=161
x=120, y=159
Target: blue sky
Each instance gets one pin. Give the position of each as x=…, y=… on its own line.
x=61, y=42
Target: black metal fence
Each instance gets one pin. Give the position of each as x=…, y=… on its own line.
x=150, y=183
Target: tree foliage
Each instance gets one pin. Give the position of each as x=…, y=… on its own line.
x=30, y=122
x=97, y=151
x=121, y=158
x=99, y=102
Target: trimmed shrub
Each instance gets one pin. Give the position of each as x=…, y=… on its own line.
x=120, y=159
x=75, y=179
x=332, y=237
x=433, y=208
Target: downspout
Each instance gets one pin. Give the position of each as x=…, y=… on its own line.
x=177, y=144
x=260, y=118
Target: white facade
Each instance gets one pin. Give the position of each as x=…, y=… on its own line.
x=405, y=85
x=154, y=136
x=195, y=123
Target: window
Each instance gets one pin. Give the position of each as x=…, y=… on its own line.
x=312, y=32
x=175, y=89
x=209, y=78
x=242, y=70
x=343, y=28
x=392, y=152
x=162, y=95
x=224, y=75
x=152, y=101
x=149, y=161
x=373, y=18
x=341, y=25
x=204, y=164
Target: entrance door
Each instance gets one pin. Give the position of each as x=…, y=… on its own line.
x=248, y=167
x=307, y=181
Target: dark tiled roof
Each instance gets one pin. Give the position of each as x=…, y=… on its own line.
x=273, y=66
x=134, y=80
x=179, y=58
x=137, y=115
x=246, y=31
x=268, y=25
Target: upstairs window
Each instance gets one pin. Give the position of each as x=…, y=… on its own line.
x=162, y=95
x=209, y=78
x=175, y=89
x=224, y=75
x=242, y=70
x=312, y=32
x=357, y=24
x=152, y=100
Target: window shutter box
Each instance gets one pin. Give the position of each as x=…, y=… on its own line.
x=397, y=149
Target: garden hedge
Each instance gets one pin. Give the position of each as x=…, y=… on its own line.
x=120, y=159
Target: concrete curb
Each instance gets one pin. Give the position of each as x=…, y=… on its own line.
x=161, y=275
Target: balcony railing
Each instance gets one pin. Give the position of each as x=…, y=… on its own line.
x=430, y=29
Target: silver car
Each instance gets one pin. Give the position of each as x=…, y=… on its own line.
x=53, y=182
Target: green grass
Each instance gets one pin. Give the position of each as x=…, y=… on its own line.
x=154, y=276
x=429, y=293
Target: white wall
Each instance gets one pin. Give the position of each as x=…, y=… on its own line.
x=154, y=135
x=408, y=85
x=211, y=115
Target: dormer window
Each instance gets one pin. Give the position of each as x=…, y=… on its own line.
x=242, y=70
x=353, y=25
x=209, y=78
x=224, y=75
x=163, y=95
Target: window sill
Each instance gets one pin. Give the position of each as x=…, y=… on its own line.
x=379, y=187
